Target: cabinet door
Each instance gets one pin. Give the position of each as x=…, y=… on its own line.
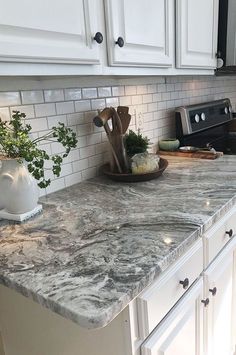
x=146, y=28
x=220, y=286
x=50, y=31
x=180, y=333
x=196, y=33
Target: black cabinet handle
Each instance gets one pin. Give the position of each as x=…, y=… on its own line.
x=206, y=302
x=185, y=283
x=230, y=233
x=213, y=291
x=120, y=42
x=98, y=37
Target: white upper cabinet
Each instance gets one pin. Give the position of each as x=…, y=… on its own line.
x=139, y=37
x=50, y=31
x=140, y=33
x=196, y=33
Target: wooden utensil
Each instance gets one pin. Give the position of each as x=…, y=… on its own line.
x=115, y=134
x=125, y=117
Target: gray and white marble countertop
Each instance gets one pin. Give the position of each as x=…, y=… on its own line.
x=99, y=243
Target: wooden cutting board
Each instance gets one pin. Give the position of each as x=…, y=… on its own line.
x=197, y=155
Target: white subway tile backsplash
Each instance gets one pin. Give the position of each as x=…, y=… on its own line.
x=89, y=116
x=130, y=90
x=73, y=94
x=57, y=148
x=161, y=88
x=75, y=118
x=84, y=129
x=104, y=92
x=65, y=107
x=94, y=138
x=10, y=98
x=118, y=90
x=142, y=89
x=89, y=173
x=54, y=120
x=5, y=113
x=136, y=99
x=77, y=107
x=66, y=169
x=27, y=109
x=72, y=179
x=101, y=147
x=112, y=101
x=151, y=88
x=57, y=184
x=147, y=98
x=80, y=165
x=38, y=124
x=98, y=104
x=32, y=97
x=87, y=151
x=43, y=110
x=125, y=100
x=95, y=160
x=89, y=93
x=54, y=95
x=83, y=105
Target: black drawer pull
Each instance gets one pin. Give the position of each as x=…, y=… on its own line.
x=213, y=291
x=120, y=42
x=98, y=37
x=185, y=283
x=206, y=302
x=230, y=233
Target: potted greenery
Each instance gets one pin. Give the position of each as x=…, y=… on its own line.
x=23, y=162
x=135, y=143
x=141, y=162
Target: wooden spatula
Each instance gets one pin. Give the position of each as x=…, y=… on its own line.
x=125, y=117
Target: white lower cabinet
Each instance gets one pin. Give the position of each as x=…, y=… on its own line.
x=201, y=320
x=220, y=317
x=181, y=331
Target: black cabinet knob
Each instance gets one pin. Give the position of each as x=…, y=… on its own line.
x=98, y=37
x=206, y=302
x=185, y=283
x=120, y=42
x=213, y=291
x=230, y=233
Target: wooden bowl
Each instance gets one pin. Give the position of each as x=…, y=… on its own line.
x=136, y=177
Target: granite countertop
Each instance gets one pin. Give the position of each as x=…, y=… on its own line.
x=99, y=243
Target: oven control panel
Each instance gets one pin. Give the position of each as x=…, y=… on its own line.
x=195, y=118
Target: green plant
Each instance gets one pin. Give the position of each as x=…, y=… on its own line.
x=135, y=143
x=15, y=143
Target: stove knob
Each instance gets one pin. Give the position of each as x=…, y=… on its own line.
x=197, y=118
x=226, y=110
x=203, y=116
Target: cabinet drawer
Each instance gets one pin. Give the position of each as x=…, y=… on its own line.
x=181, y=332
x=219, y=235
x=156, y=301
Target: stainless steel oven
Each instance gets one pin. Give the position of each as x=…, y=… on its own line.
x=207, y=125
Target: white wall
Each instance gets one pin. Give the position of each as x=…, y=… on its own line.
x=75, y=101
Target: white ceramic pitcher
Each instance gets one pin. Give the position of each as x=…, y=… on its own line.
x=18, y=189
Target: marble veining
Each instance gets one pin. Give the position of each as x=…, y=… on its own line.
x=99, y=243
